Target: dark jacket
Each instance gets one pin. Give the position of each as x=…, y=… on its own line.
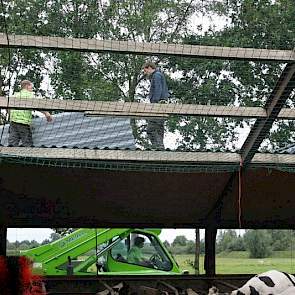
x=159, y=89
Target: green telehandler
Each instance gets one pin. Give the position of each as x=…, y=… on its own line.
x=104, y=251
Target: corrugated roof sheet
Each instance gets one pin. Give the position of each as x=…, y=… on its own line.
x=73, y=129
x=289, y=149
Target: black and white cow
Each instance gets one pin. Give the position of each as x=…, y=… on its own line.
x=289, y=291
x=272, y=282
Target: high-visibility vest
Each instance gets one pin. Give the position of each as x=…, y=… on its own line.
x=22, y=116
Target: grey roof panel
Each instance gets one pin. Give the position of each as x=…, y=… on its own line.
x=73, y=129
x=289, y=149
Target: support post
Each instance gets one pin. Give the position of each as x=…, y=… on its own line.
x=210, y=242
x=3, y=238
x=197, y=252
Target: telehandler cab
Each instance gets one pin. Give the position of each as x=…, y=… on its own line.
x=104, y=251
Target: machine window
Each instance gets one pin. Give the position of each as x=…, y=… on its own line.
x=143, y=250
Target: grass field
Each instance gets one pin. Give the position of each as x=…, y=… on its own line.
x=239, y=263
x=236, y=262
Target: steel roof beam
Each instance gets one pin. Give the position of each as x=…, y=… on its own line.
x=273, y=106
x=261, y=128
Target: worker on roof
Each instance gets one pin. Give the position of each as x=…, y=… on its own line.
x=158, y=94
x=20, y=120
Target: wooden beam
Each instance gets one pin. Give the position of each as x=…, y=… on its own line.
x=287, y=114
x=164, y=157
x=276, y=159
x=121, y=155
x=101, y=108
x=142, y=115
x=130, y=47
x=141, y=110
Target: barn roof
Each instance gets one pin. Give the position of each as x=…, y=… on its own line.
x=74, y=129
x=289, y=149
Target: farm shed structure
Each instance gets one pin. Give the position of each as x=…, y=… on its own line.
x=51, y=186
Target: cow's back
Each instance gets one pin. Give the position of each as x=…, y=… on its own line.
x=270, y=282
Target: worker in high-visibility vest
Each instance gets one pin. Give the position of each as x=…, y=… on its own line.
x=20, y=120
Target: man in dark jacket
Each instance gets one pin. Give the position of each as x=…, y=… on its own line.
x=158, y=93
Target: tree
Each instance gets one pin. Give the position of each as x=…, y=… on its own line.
x=78, y=75
x=54, y=237
x=203, y=83
x=180, y=241
x=23, y=17
x=225, y=239
x=114, y=76
x=258, y=24
x=45, y=242
x=166, y=244
x=228, y=240
x=238, y=244
x=280, y=239
x=250, y=23
x=258, y=242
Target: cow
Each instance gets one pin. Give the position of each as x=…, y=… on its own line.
x=289, y=291
x=272, y=282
